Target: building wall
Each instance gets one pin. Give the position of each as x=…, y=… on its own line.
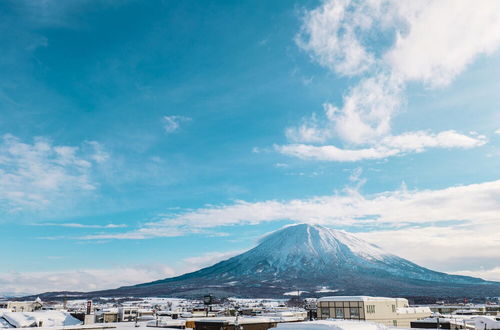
x=341, y=310
x=110, y=317
x=127, y=314
x=23, y=306
x=384, y=311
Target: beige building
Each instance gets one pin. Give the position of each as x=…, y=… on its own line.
x=22, y=306
x=388, y=311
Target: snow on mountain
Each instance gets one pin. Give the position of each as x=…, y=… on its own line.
x=319, y=241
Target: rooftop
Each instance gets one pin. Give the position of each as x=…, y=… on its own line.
x=356, y=298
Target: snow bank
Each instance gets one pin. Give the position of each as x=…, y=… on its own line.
x=41, y=318
x=485, y=322
x=4, y=324
x=332, y=325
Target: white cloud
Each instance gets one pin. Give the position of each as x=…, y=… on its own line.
x=427, y=41
x=332, y=153
x=497, y=131
x=391, y=145
x=81, y=280
x=461, y=249
x=442, y=37
x=479, y=203
x=309, y=131
x=172, y=124
x=419, y=141
x=367, y=110
x=330, y=35
x=34, y=176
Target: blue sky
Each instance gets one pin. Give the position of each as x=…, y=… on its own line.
x=150, y=139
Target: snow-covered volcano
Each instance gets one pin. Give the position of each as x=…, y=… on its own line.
x=316, y=260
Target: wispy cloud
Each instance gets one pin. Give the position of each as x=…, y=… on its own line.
x=107, y=278
x=34, y=176
x=82, y=279
x=172, y=124
x=392, y=145
x=335, y=35
x=80, y=225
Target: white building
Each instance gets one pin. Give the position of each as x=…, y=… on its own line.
x=388, y=311
x=22, y=306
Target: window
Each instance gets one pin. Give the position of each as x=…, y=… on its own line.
x=395, y=323
x=394, y=308
x=339, y=313
x=370, y=309
x=354, y=311
x=325, y=313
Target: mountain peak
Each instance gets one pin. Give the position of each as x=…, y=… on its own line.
x=319, y=241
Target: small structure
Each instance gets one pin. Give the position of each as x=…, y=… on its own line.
x=387, y=311
x=444, y=323
x=231, y=323
x=22, y=306
x=167, y=322
x=487, y=323
x=128, y=314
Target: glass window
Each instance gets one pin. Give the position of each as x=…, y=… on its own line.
x=339, y=313
x=325, y=313
x=354, y=311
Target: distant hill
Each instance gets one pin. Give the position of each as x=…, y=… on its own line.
x=315, y=259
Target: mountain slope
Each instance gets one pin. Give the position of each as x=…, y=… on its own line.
x=318, y=260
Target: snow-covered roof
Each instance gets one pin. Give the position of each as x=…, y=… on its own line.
x=232, y=320
x=414, y=310
x=356, y=298
x=47, y=318
x=332, y=325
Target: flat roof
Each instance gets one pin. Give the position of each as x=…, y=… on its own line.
x=232, y=320
x=356, y=298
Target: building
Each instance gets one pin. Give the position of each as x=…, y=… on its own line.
x=466, y=309
x=22, y=306
x=250, y=323
x=388, y=311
